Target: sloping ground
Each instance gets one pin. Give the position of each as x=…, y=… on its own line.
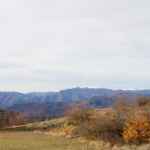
x=40, y=126
x=32, y=141
x=49, y=135
x=53, y=126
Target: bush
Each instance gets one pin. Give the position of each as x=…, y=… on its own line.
x=123, y=109
x=143, y=101
x=78, y=114
x=137, y=127
x=100, y=127
x=126, y=121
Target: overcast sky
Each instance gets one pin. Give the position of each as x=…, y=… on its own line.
x=55, y=44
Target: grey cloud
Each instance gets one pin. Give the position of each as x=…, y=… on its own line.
x=48, y=44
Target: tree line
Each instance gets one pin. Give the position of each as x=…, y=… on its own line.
x=10, y=118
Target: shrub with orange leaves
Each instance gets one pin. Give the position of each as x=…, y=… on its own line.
x=137, y=128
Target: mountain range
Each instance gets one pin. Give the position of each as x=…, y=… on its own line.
x=54, y=103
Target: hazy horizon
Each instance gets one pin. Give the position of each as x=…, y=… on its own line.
x=58, y=90
x=51, y=45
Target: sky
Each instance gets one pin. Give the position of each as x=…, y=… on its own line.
x=48, y=45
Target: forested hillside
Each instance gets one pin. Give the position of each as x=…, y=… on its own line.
x=53, y=104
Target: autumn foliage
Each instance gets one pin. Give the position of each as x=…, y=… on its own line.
x=137, y=128
x=134, y=118
x=10, y=118
x=129, y=122
x=78, y=113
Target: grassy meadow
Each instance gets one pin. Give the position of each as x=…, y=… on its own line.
x=38, y=141
x=73, y=132
x=32, y=141
x=36, y=136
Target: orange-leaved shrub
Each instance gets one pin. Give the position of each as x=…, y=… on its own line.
x=137, y=127
x=99, y=127
x=127, y=121
x=78, y=114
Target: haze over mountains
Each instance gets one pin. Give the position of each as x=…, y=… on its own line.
x=8, y=99
x=54, y=103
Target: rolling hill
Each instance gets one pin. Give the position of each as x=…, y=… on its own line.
x=45, y=104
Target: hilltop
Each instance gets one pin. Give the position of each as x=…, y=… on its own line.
x=53, y=104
